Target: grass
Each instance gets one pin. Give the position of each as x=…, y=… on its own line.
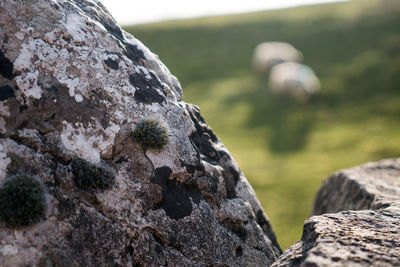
x=286, y=148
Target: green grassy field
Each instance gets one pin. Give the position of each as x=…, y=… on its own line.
x=286, y=148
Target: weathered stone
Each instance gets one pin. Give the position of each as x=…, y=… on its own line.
x=73, y=88
x=373, y=185
x=364, y=232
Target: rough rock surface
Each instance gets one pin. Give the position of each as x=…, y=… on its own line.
x=365, y=231
x=73, y=85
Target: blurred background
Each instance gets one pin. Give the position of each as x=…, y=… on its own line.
x=286, y=137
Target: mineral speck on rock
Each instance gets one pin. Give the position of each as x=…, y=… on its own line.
x=73, y=88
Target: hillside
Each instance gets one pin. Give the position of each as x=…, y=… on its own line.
x=286, y=148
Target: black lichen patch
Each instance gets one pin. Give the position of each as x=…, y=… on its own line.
x=52, y=112
x=223, y=154
x=267, y=228
x=261, y=220
x=236, y=226
x=52, y=88
x=6, y=92
x=148, y=96
x=111, y=63
x=177, y=200
x=150, y=134
x=205, y=146
x=199, y=122
x=122, y=159
x=90, y=176
x=6, y=67
x=133, y=52
x=190, y=168
x=22, y=108
x=161, y=175
x=22, y=201
x=177, y=197
x=203, y=138
x=231, y=178
x=146, y=92
x=239, y=252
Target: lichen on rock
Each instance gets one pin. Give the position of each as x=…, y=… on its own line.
x=74, y=86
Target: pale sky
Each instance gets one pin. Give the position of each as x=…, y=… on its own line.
x=145, y=11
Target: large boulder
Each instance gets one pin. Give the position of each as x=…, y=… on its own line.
x=102, y=161
x=360, y=224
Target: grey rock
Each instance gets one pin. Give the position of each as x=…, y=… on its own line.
x=74, y=86
x=360, y=225
x=373, y=185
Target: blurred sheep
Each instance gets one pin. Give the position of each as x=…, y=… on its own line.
x=266, y=55
x=293, y=79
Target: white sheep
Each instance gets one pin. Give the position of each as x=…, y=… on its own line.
x=266, y=55
x=293, y=79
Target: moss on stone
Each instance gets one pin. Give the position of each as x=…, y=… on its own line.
x=22, y=201
x=91, y=176
x=150, y=134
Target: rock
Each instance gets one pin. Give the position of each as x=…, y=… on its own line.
x=364, y=231
x=373, y=185
x=267, y=55
x=74, y=86
x=293, y=79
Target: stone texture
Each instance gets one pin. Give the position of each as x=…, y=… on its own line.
x=360, y=225
x=73, y=85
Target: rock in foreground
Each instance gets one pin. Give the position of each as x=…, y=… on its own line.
x=367, y=237
x=74, y=88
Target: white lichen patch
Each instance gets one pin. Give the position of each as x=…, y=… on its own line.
x=17, y=250
x=23, y=61
x=63, y=51
x=4, y=110
x=88, y=142
x=73, y=25
x=9, y=250
x=153, y=107
x=27, y=82
x=3, y=128
x=78, y=98
x=130, y=90
x=4, y=161
x=19, y=36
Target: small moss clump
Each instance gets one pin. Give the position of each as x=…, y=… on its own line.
x=150, y=134
x=22, y=201
x=90, y=176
